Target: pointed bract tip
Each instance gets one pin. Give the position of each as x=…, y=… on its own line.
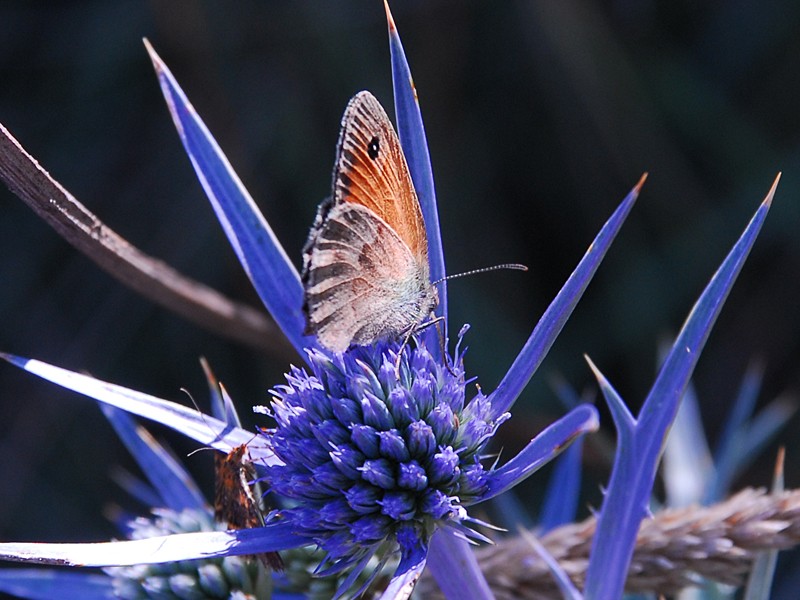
x=158, y=64
x=598, y=375
x=14, y=360
x=638, y=187
x=389, y=18
x=779, y=462
x=205, y=366
x=768, y=200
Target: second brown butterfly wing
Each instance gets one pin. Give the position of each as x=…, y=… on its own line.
x=361, y=281
x=234, y=502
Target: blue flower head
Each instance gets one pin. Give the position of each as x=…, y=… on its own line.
x=378, y=457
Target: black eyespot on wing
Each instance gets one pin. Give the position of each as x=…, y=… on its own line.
x=374, y=148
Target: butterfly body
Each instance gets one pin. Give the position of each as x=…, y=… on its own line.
x=365, y=264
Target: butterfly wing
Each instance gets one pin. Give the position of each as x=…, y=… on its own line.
x=365, y=264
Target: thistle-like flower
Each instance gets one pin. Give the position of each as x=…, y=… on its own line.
x=378, y=457
x=379, y=450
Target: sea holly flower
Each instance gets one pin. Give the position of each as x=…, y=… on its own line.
x=374, y=454
x=376, y=459
x=380, y=450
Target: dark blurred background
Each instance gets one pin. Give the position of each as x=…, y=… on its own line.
x=540, y=117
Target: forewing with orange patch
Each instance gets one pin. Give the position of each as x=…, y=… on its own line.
x=371, y=170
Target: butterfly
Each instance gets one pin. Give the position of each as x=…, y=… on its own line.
x=234, y=502
x=365, y=264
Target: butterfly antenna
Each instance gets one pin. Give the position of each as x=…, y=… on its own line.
x=202, y=418
x=512, y=266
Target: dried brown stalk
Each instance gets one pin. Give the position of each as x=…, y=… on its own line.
x=674, y=550
x=146, y=275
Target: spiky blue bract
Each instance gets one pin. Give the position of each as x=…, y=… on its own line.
x=261, y=254
x=640, y=441
x=728, y=452
x=561, y=499
x=455, y=568
x=188, y=421
x=174, y=486
x=39, y=584
x=408, y=572
x=411, y=132
x=553, y=440
x=222, y=406
x=745, y=434
x=219, y=577
x=413, y=140
x=759, y=582
x=687, y=467
x=273, y=537
x=563, y=490
x=564, y=583
x=377, y=457
x=560, y=309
